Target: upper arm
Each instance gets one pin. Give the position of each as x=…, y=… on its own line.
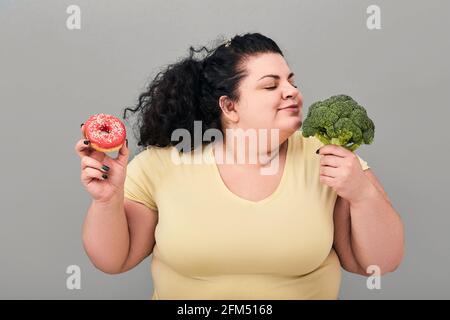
x=142, y=222
x=342, y=229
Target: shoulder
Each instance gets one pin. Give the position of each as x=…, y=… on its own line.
x=309, y=146
x=152, y=161
x=153, y=154
x=305, y=144
x=165, y=159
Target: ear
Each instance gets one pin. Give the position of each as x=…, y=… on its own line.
x=229, y=109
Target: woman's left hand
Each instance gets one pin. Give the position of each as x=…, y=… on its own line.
x=341, y=170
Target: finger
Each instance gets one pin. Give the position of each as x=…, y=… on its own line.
x=334, y=150
x=89, y=151
x=88, y=174
x=326, y=180
x=93, y=163
x=123, y=154
x=82, y=148
x=328, y=171
x=331, y=160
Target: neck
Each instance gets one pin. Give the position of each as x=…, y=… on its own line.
x=250, y=151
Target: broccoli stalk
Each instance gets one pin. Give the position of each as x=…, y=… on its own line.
x=339, y=120
x=337, y=141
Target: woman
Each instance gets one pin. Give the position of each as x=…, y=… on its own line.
x=223, y=229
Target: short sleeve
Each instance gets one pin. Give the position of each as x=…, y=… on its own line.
x=138, y=184
x=316, y=143
x=363, y=163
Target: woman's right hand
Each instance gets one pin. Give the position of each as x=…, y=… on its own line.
x=102, y=176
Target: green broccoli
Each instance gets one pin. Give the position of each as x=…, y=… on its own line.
x=339, y=120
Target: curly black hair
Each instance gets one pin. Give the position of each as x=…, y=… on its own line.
x=189, y=90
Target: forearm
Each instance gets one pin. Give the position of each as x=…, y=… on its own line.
x=376, y=231
x=106, y=236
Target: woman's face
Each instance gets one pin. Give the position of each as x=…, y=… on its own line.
x=264, y=94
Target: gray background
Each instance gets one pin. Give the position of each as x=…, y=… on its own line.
x=52, y=78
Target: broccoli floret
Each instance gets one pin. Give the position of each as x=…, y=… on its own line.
x=339, y=120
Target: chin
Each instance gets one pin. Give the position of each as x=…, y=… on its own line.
x=289, y=128
x=294, y=124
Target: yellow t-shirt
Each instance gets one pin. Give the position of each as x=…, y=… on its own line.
x=213, y=244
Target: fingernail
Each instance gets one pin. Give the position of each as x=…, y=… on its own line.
x=105, y=176
x=126, y=142
x=317, y=152
x=81, y=125
x=105, y=167
x=86, y=142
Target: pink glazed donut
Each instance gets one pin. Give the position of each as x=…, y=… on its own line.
x=105, y=132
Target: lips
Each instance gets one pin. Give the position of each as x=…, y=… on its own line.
x=290, y=107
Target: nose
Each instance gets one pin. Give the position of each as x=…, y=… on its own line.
x=293, y=93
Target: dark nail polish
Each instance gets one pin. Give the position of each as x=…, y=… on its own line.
x=105, y=167
x=126, y=142
x=86, y=142
x=317, y=152
x=104, y=176
x=81, y=125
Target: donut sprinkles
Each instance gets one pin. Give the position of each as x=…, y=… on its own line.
x=105, y=132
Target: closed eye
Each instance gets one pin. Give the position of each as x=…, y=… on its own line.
x=272, y=88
